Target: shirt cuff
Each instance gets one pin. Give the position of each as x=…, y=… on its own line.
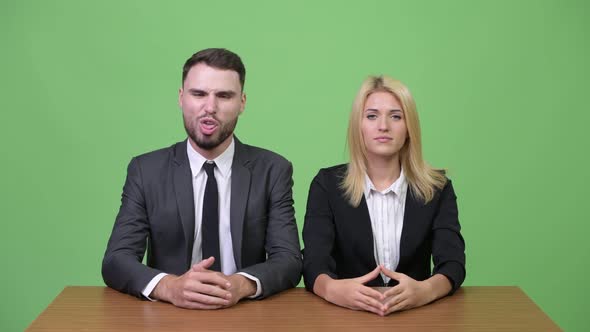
x=258, y=285
x=151, y=285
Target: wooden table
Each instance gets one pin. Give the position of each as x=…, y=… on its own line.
x=470, y=309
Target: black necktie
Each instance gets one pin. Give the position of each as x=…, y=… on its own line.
x=210, y=221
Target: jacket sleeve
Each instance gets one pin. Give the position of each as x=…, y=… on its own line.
x=448, y=246
x=122, y=267
x=282, y=268
x=318, y=234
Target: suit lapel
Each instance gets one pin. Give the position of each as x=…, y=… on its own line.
x=183, y=189
x=240, y=190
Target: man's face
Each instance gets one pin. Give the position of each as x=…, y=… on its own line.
x=211, y=100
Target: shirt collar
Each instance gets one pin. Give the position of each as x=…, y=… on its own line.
x=397, y=187
x=223, y=161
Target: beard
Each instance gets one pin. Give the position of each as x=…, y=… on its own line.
x=225, y=130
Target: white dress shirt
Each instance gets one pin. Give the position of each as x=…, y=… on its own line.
x=386, y=210
x=222, y=173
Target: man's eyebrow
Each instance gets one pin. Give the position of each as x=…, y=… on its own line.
x=230, y=93
x=193, y=90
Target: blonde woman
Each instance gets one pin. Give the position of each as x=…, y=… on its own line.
x=380, y=219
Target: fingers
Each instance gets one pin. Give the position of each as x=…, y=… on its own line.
x=393, y=291
x=394, y=300
x=206, y=299
x=399, y=306
x=371, y=293
x=195, y=293
x=211, y=278
x=185, y=297
x=210, y=284
x=203, y=265
x=197, y=305
x=371, y=297
x=369, y=276
x=393, y=275
x=200, y=288
x=367, y=307
x=207, y=289
x=369, y=300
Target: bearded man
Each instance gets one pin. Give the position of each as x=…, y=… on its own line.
x=215, y=215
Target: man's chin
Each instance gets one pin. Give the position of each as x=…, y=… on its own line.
x=208, y=144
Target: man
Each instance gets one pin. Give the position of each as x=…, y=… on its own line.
x=216, y=215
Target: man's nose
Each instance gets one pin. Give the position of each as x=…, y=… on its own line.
x=211, y=104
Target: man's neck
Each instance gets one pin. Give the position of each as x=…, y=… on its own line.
x=213, y=153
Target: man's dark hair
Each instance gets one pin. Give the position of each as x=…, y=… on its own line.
x=219, y=58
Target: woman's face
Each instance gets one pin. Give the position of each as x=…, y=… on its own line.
x=383, y=125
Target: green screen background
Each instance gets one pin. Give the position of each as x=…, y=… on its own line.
x=501, y=90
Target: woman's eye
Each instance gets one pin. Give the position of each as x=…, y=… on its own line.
x=396, y=117
x=371, y=116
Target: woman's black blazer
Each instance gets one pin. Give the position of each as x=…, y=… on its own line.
x=338, y=238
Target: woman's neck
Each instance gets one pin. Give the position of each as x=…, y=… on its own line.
x=383, y=171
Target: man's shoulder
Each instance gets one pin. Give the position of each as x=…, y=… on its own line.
x=261, y=155
x=161, y=156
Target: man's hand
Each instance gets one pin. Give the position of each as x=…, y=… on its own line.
x=240, y=288
x=351, y=293
x=410, y=293
x=198, y=288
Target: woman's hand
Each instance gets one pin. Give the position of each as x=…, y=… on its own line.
x=351, y=293
x=410, y=293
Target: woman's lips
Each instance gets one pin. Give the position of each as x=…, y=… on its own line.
x=383, y=139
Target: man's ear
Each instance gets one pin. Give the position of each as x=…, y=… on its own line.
x=243, y=103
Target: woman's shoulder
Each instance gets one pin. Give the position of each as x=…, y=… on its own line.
x=445, y=189
x=331, y=176
x=336, y=171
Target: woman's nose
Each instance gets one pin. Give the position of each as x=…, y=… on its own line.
x=383, y=125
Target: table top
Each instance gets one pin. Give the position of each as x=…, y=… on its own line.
x=481, y=308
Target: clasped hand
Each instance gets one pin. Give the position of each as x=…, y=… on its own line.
x=353, y=294
x=200, y=288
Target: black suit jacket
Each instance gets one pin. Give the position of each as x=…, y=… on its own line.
x=157, y=210
x=338, y=237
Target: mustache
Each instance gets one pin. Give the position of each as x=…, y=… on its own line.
x=211, y=116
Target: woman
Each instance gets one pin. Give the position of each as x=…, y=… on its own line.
x=378, y=220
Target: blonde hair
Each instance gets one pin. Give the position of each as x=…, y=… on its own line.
x=422, y=179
